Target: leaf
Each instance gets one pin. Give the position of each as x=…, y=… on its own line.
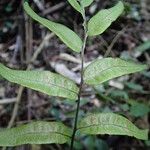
x=119, y=94
x=43, y=81
x=86, y=3
x=146, y=74
x=143, y=47
x=124, y=107
x=134, y=86
x=101, y=145
x=89, y=142
x=103, y=19
x=139, y=110
x=110, y=123
x=75, y=5
x=102, y=70
x=35, y=133
x=147, y=142
x=70, y=38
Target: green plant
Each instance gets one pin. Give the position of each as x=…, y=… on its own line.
x=99, y=71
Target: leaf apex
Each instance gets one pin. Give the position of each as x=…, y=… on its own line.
x=104, y=18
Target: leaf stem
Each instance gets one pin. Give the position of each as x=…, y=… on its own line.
x=82, y=80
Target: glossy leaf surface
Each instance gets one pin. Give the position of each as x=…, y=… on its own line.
x=35, y=133
x=70, y=38
x=102, y=70
x=43, y=81
x=103, y=19
x=75, y=5
x=110, y=123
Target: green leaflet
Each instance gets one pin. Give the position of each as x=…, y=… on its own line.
x=86, y=3
x=139, y=110
x=43, y=81
x=103, y=19
x=102, y=70
x=39, y=132
x=70, y=38
x=143, y=47
x=110, y=123
x=75, y=5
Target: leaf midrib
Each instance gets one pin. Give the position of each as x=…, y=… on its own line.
x=61, y=35
x=36, y=81
x=109, y=12
x=100, y=72
x=107, y=125
x=52, y=27
x=54, y=132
